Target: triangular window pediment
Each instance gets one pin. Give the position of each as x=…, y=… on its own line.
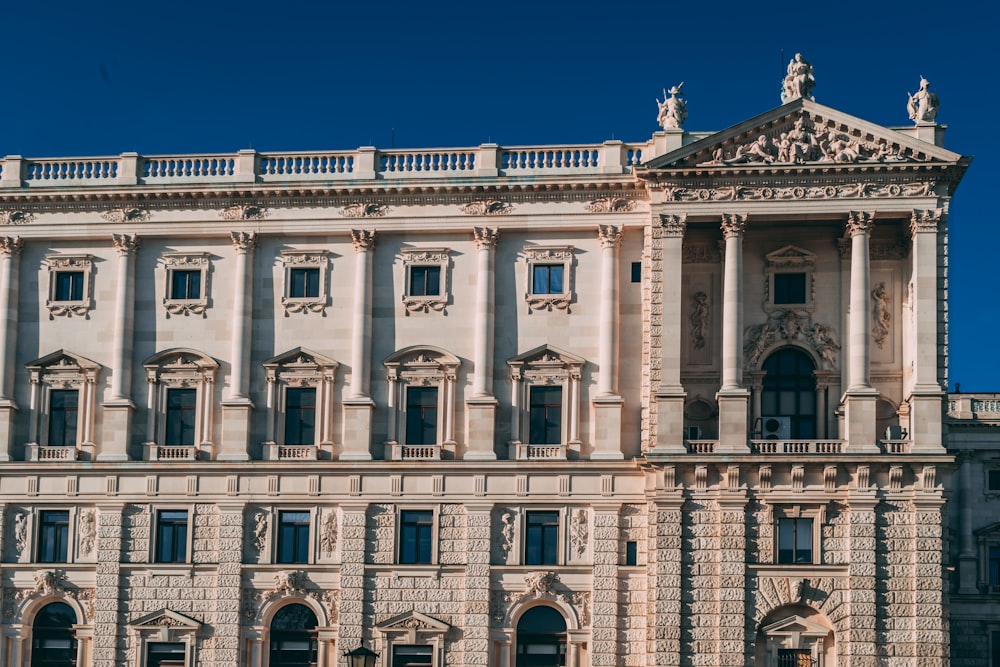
x=165, y=618
x=62, y=360
x=547, y=355
x=422, y=357
x=990, y=532
x=180, y=359
x=790, y=256
x=801, y=132
x=413, y=620
x=798, y=626
x=300, y=358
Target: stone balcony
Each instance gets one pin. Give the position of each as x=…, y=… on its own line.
x=37, y=452
x=275, y=452
x=522, y=451
x=155, y=452
x=400, y=452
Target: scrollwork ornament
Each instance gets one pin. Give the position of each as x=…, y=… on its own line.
x=925, y=221
x=365, y=210
x=487, y=207
x=16, y=217
x=486, y=237
x=859, y=222
x=243, y=212
x=611, y=205
x=673, y=225
x=733, y=224
x=10, y=246
x=127, y=214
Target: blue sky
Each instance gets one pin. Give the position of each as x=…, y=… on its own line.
x=103, y=77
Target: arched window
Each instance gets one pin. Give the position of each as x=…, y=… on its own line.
x=293, y=637
x=541, y=638
x=788, y=398
x=53, y=640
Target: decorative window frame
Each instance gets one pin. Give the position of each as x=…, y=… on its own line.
x=420, y=366
x=562, y=537
x=413, y=629
x=274, y=526
x=299, y=368
x=154, y=537
x=440, y=257
x=34, y=530
x=549, y=366
x=536, y=255
x=61, y=370
x=186, y=261
x=164, y=626
x=990, y=465
x=305, y=259
x=179, y=368
x=70, y=263
x=435, y=527
x=815, y=513
x=987, y=537
x=789, y=259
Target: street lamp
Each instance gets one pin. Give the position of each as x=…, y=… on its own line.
x=361, y=656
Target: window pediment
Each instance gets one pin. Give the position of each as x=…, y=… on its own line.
x=796, y=625
x=990, y=532
x=62, y=368
x=546, y=362
x=790, y=257
x=413, y=620
x=424, y=362
x=165, y=618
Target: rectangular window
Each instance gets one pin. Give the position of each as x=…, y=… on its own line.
x=416, y=529
x=795, y=541
x=180, y=416
x=631, y=553
x=425, y=281
x=995, y=650
x=541, y=538
x=171, y=536
x=412, y=656
x=185, y=285
x=637, y=272
x=166, y=654
x=64, y=410
x=789, y=288
x=53, y=536
x=547, y=278
x=993, y=480
x=545, y=415
x=69, y=286
x=293, y=537
x=994, y=569
x=303, y=283
x=300, y=416
x=421, y=415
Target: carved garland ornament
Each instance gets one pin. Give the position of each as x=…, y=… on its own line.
x=48, y=583
x=290, y=583
x=16, y=217
x=611, y=205
x=790, y=326
x=243, y=212
x=127, y=214
x=487, y=207
x=365, y=210
x=328, y=534
x=541, y=585
x=765, y=193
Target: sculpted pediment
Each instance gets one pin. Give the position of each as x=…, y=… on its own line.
x=413, y=620
x=790, y=256
x=63, y=359
x=547, y=354
x=166, y=618
x=798, y=626
x=300, y=357
x=801, y=132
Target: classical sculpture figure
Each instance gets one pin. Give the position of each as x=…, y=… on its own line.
x=507, y=533
x=799, y=80
x=259, y=530
x=88, y=532
x=20, y=533
x=923, y=105
x=803, y=146
x=699, y=320
x=673, y=109
x=882, y=315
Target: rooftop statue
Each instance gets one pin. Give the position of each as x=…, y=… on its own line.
x=799, y=80
x=923, y=105
x=673, y=109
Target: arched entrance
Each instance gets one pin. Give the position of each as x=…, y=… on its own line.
x=795, y=636
x=293, y=637
x=789, y=391
x=53, y=639
x=541, y=638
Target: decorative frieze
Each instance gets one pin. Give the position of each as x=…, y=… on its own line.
x=487, y=207
x=611, y=205
x=127, y=214
x=365, y=210
x=865, y=190
x=16, y=217
x=243, y=212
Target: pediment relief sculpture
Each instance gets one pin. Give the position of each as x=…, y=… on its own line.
x=413, y=621
x=166, y=618
x=790, y=326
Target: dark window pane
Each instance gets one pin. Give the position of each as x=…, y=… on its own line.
x=300, y=416
x=541, y=538
x=185, y=284
x=412, y=656
x=180, y=417
x=547, y=279
x=425, y=280
x=53, y=639
x=631, y=553
x=162, y=654
x=293, y=537
x=304, y=283
x=64, y=407
x=545, y=416
x=69, y=286
x=790, y=390
x=415, y=535
x=421, y=415
x=789, y=288
x=994, y=566
x=637, y=272
x=171, y=536
x=795, y=541
x=993, y=481
x=53, y=536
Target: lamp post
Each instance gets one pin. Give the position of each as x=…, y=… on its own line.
x=361, y=656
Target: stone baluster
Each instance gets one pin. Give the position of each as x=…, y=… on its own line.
x=358, y=407
x=482, y=405
x=10, y=251
x=236, y=407
x=860, y=398
x=732, y=397
x=119, y=408
x=670, y=395
x=608, y=404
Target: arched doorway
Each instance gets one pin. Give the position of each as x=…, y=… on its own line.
x=293, y=637
x=541, y=638
x=53, y=640
x=795, y=636
x=789, y=393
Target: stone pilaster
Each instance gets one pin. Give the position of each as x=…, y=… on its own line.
x=932, y=640
x=860, y=398
x=226, y=628
x=895, y=592
x=665, y=581
x=352, y=577
x=236, y=408
x=604, y=617
x=700, y=576
x=967, y=558
x=607, y=403
x=476, y=629
x=670, y=395
x=482, y=405
x=10, y=251
x=119, y=409
x=733, y=397
x=861, y=639
x=358, y=407
x=732, y=580
x=107, y=619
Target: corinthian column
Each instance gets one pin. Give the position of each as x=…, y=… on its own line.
x=926, y=394
x=10, y=250
x=358, y=407
x=670, y=395
x=733, y=398
x=482, y=405
x=860, y=398
x=118, y=409
x=607, y=403
x=237, y=406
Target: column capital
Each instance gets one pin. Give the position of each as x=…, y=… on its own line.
x=486, y=237
x=363, y=239
x=125, y=244
x=733, y=224
x=925, y=221
x=859, y=222
x=610, y=235
x=673, y=225
x=10, y=245
x=244, y=242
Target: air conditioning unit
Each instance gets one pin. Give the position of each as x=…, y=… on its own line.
x=776, y=427
x=692, y=433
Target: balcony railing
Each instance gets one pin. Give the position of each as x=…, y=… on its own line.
x=51, y=453
x=797, y=446
x=275, y=452
x=528, y=452
x=702, y=446
x=156, y=452
x=399, y=452
x=897, y=446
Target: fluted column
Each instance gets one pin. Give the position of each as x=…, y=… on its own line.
x=481, y=406
x=967, y=560
x=118, y=409
x=237, y=406
x=733, y=397
x=359, y=405
x=860, y=398
x=10, y=250
x=670, y=395
x=607, y=403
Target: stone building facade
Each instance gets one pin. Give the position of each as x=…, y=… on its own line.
x=677, y=402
